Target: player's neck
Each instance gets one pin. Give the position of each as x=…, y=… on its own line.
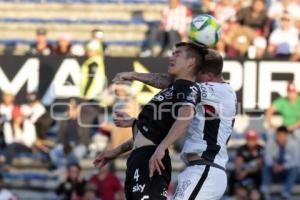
x=185, y=77
x=218, y=79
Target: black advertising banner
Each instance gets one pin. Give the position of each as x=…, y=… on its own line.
x=257, y=83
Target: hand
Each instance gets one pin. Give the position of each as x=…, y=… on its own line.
x=104, y=157
x=155, y=162
x=123, y=77
x=123, y=120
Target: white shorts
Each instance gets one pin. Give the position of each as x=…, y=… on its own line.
x=201, y=182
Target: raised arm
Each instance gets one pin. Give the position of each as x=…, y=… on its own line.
x=178, y=130
x=123, y=120
x=269, y=114
x=158, y=80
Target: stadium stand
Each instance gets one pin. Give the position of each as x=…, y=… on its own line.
x=121, y=29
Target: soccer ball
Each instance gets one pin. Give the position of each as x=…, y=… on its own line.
x=204, y=29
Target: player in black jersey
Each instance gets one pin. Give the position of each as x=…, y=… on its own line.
x=166, y=117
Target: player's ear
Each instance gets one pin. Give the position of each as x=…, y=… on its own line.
x=210, y=76
x=191, y=63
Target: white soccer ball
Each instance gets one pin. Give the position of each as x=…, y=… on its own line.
x=204, y=29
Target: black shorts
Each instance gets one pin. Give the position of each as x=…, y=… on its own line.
x=138, y=185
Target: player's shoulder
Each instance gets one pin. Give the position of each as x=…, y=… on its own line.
x=216, y=87
x=186, y=84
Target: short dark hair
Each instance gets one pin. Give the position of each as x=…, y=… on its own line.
x=196, y=51
x=207, y=60
x=213, y=63
x=282, y=129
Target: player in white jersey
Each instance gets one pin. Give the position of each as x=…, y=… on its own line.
x=204, y=150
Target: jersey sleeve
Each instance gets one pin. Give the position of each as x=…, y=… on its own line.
x=186, y=93
x=240, y=152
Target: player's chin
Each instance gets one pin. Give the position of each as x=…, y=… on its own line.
x=171, y=70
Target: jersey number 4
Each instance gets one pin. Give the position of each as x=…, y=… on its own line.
x=136, y=175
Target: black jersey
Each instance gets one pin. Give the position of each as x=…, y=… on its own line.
x=158, y=116
x=249, y=156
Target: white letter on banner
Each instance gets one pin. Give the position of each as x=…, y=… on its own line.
x=250, y=84
x=267, y=86
x=60, y=88
x=234, y=68
x=29, y=73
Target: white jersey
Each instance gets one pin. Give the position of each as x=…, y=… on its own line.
x=212, y=125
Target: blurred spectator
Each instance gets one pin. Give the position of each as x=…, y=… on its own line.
x=74, y=184
x=249, y=161
x=108, y=185
x=206, y=7
x=41, y=45
x=279, y=8
x=4, y=193
x=90, y=192
x=224, y=11
x=34, y=110
x=63, y=155
x=63, y=45
x=288, y=107
x=6, y=108
x=71, y=131
x=97, y=36
x=237, y=40
x=7, y=105
x=282, y=162
x=93, y=78
x=255, y=17
x=284, y=40
x=19, y=135
x=172, y=29
x=124, y=101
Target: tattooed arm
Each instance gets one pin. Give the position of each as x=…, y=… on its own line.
x=104, y=157
x=125, y=147
x=157, y=80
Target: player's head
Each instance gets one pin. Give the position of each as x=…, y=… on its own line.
x=186, y=60
x=212, y=67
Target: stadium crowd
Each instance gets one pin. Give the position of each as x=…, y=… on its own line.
x=26, y=133
x=250, y=29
